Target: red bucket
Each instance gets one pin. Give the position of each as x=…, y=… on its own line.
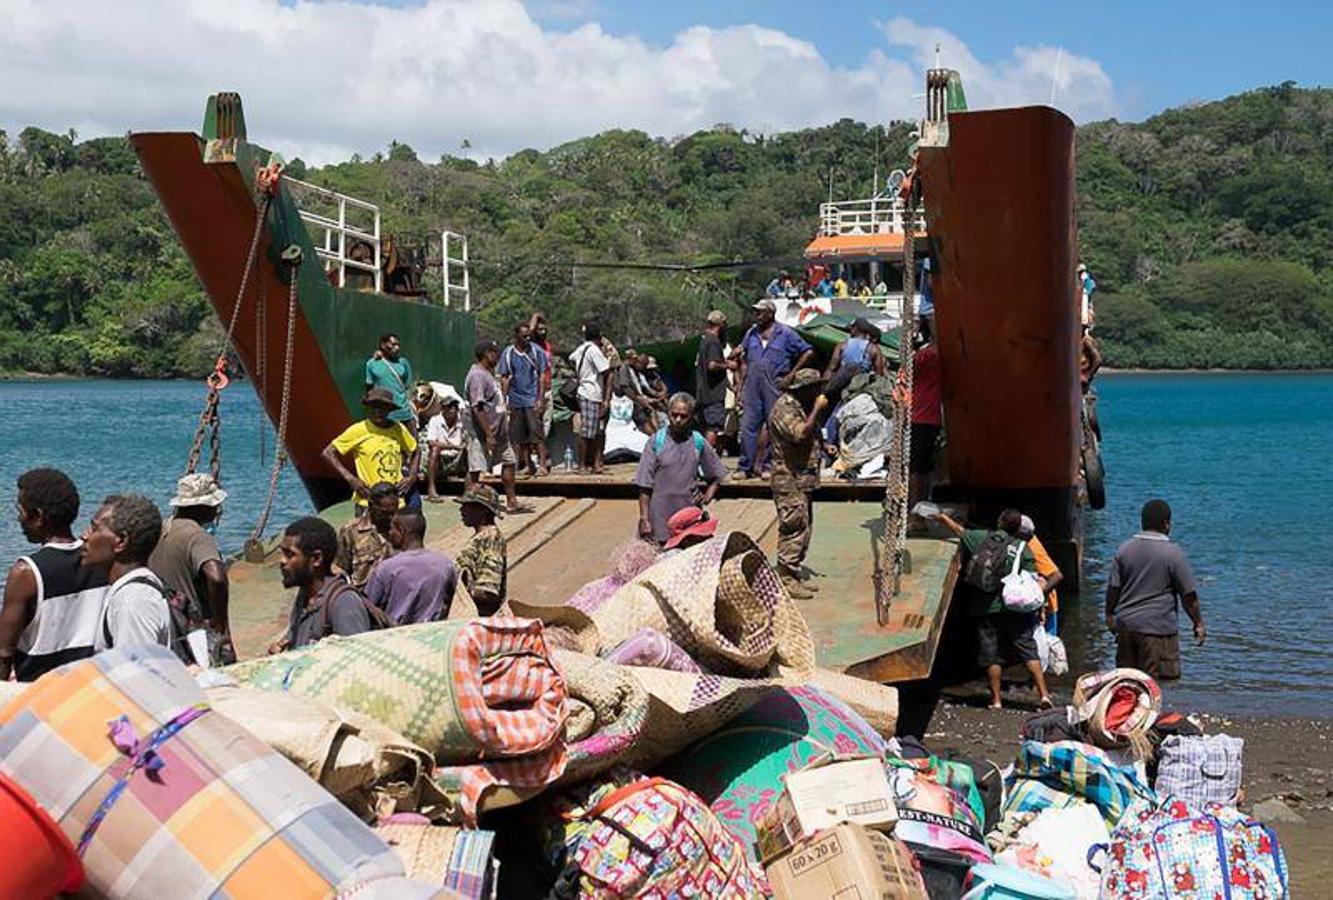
x=36, y=859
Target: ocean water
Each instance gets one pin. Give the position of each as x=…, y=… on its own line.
x=134, y=436
x=1241, y=458
x=1243, y=461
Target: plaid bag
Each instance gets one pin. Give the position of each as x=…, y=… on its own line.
x=166, y=798
x=1055, y=774
x=1200, y=770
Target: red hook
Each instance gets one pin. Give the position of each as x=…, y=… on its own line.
x=217, y=379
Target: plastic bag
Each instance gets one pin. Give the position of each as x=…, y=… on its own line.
x=1051, y=651
x=1021, y=591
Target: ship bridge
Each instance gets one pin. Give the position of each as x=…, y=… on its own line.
x=862, y=240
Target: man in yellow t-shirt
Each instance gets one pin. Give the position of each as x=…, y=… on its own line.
x=1047, y=570
x=377, y=448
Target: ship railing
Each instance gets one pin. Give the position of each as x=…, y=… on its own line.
x=454, y=270
x=340, y=227
x=877, y=215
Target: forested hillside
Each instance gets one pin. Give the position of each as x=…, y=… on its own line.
x=1209, y=229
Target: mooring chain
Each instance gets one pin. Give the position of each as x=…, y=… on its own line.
x=217, y=379
x=292, y=257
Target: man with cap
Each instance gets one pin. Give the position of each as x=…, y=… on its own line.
x=187, y=558
x=1047, y=572
x=769, y=352
x=378, y=449
x=486, y=426
x=689, y=526
x=446, y=443
x=669, y=471
x=710, y=378
x=794, y=430
x=483, y=562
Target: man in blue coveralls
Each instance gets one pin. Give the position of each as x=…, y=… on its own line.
x=769, y=352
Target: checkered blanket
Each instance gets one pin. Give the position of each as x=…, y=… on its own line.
x=167, y=798
x=466, y=691
x=1057, y=774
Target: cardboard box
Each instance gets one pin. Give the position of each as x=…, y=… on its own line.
x=847, y=862
x=823, y=794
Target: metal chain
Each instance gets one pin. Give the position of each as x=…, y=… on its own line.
x=893, y=538
x=209, y=417
x=280, y=449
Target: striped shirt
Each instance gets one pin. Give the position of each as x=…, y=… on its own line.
x=70, y=600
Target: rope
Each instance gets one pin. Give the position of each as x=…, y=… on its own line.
x=291, y=256
x=893, y=538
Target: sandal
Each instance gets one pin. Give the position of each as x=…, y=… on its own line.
x=1046, y=703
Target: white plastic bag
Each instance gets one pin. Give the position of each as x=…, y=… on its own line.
x=1021, y=590
x=1051, y=651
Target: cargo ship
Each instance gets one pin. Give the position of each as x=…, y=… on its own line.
x=996, y=202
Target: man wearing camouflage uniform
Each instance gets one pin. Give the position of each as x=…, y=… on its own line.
x=794, y=432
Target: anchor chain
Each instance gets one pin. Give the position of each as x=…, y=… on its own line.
x=254, y=545
x=209, y=418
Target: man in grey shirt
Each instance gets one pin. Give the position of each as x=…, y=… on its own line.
x=325, y=603
x=669, y=470
x=1150, y=580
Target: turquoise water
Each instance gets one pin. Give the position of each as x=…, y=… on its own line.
x=1241, y=458
x=1243, y=461
x=112, y=436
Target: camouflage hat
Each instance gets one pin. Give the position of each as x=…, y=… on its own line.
x=717, y=317
x=482, y=495
x=804, y=378
x=198, y=489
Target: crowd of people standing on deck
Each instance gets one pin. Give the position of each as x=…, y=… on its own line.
x=135, y=578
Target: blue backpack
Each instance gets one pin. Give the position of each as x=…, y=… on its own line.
x=659, y=441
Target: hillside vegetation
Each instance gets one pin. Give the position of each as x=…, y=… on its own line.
x=1209, y=229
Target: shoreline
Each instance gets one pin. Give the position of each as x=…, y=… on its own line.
x=1107, y=370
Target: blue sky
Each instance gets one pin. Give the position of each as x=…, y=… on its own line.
x=329, y=78
x=1159, y=54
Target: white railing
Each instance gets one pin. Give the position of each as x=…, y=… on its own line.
x=453, y=269
x=878, y=215
x=326, y=211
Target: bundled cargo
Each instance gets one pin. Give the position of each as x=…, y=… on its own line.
x=482, y=696
x=165, y=797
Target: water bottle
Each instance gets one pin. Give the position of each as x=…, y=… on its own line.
x=569, y=459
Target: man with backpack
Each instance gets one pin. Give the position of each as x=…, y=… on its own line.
x=673, y=461
x=1004, y=636
x=325, y=603
x=119, y=540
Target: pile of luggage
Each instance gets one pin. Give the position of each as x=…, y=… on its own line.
x=666, y=733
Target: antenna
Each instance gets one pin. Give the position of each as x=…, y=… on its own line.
x=1055, y=76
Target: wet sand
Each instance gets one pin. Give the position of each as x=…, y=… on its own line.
x=1285, y=758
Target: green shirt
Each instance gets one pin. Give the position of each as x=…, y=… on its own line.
x=982, y=604
x=396, y=378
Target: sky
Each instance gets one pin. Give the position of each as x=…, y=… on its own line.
x=322, y=80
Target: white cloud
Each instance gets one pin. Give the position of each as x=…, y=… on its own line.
x=322, y=80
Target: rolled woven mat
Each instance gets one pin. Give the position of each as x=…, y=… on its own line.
x=164, y=797
x=466, y=691
x=372, y=770
x=737, y=769
x=876, y=703
x=719, y=601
